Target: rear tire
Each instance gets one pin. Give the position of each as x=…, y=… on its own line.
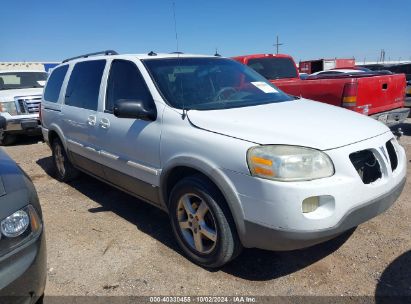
x=65, y=171
x=8, y=139
x=202, y=222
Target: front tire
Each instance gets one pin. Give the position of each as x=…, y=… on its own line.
x=65, y=171
x=202, y=222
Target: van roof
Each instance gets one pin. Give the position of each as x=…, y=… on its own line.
x=141, y=56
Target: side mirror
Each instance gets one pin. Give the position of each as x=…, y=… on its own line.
x=128, y=108
x=2, y=123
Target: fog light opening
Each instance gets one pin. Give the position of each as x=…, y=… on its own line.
x=310, y=204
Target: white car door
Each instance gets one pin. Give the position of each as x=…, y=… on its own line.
x=129, y=148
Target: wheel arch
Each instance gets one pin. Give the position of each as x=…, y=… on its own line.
x=55, y=132
x=185, y=166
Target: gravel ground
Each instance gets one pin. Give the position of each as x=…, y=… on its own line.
x=101, y=241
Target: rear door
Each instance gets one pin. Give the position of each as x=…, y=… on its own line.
x=80, y=113
x=129, y=148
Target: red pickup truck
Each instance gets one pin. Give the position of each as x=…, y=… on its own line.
x=379, y=96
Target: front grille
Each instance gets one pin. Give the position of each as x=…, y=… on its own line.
x=392, y=155
x=22, y=107
x=367, y=166
x=28, y=104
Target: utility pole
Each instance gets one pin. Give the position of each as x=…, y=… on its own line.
x=277, y=45
x=382, y=56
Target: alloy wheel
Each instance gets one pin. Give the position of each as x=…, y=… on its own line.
x=197, y=224
x=59, y=159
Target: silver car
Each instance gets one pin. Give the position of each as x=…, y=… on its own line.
x=233, y=160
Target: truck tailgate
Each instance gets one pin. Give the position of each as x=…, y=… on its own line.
x=381, y=93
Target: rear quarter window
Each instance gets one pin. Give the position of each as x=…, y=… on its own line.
x=54, y=83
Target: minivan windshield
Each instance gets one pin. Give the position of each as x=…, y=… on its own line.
x=22, y=80
x=211, y=83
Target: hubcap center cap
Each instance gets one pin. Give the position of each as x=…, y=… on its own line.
x=196, y=225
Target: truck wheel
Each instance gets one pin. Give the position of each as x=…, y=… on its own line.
x=202, y=223
x=65, y=171
x=8, y=139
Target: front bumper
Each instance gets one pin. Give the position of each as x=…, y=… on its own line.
x=23, y=126
x=275, y=239
x=272, y=210
x=23, y=273
x=393, y=117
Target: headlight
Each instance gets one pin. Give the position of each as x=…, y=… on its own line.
x=18, y=228
x=9, y=107
x=288, y=163
x=15, y=224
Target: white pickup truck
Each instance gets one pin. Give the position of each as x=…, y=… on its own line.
x=20, y=97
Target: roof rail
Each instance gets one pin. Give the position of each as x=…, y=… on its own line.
x=107, y=52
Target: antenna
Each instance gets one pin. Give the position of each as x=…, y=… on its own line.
x=277, y=45
x=183, y=116
x=175, y=23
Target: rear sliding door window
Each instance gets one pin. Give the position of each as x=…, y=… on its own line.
x=84, y=84
x=54, y=83
x=126, y=82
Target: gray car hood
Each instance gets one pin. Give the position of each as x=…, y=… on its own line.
x=15, y=186
x=300, y=122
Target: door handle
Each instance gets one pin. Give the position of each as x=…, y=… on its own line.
x=105, y=123
x=91, y=120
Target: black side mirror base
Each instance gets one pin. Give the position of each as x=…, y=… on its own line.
x=128, y=108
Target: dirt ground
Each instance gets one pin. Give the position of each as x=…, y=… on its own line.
x=101, y=241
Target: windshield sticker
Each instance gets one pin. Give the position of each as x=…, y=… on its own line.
x=265, y=87
x=41, y=82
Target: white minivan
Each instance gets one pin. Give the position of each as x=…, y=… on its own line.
x=233, y=160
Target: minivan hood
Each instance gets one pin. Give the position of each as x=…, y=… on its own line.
x=299, y=122
x=8, y=95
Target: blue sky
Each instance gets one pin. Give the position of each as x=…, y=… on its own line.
x=53, y=30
